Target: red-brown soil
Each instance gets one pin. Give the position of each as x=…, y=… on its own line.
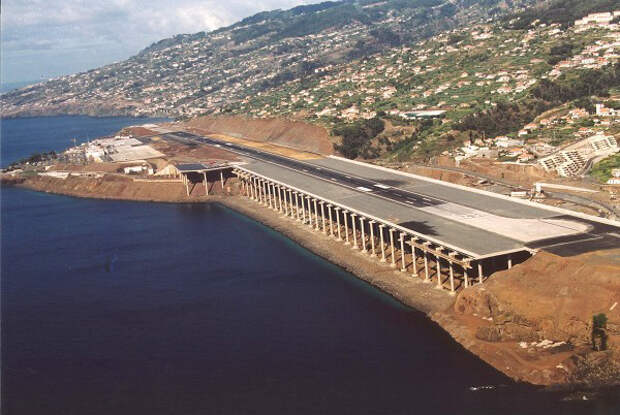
x=545, y=298
x=294, y=134
x=121, y=187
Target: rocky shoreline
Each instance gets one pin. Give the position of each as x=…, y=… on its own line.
x=547, y=369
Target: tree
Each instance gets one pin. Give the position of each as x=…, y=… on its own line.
x=599, y=332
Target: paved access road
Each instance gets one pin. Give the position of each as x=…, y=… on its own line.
x=475, y=222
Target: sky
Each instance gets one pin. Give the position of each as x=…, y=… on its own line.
x=41, y=39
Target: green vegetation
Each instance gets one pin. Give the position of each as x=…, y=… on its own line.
x=584, y=83
x=504, y=118
x=560, y=52
x=564, y=12
x=601, y=171
x=356, y=137
x=599, y=332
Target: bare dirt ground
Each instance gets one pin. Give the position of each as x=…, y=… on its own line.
x=138, y=131
x=513, y=320
x=121, y=187
x=189, y=152
x=287, y=133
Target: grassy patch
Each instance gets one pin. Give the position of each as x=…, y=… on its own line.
x=601, y=171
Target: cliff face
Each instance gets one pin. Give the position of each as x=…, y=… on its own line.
x=540, y=314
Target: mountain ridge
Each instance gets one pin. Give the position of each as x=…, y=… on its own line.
x=279, y=38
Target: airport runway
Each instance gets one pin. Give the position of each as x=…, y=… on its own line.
x=490, y=224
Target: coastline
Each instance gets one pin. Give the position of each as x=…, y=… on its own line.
x=410, y=291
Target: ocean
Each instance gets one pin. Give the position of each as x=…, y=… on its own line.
x=131, y=308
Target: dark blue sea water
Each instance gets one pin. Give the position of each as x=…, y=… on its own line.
x=135, y=308
x=23, y=137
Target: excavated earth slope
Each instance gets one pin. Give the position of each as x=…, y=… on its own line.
x=293, y=134
x=534, y=322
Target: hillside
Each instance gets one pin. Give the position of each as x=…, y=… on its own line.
x=202, y=73
x=398, y=79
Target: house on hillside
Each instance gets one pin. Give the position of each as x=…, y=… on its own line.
x=603, y=111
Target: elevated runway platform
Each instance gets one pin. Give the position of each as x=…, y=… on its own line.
x=452, y=234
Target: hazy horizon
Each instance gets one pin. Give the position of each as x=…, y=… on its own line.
x=47, y=39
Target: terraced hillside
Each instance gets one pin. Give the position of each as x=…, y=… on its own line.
x=200, y=73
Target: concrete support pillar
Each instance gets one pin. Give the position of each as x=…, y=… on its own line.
x=309, y=210
x=393, y=264
x=451, y=278
x=222, y=179
x=282, y=200
x=186, y=184
x=355, y=245
x=259, y=187
x=285, y=201
x=331, y=220
x=257, y=190
x=207, y=183
x=438, y=261
x=373, y=252
x=297, y=212
x=278, y=201
x=403, y=266
x=316, y=214
x=427, y=277
x=509, y=262
x=338, y=223
x=381, y=241
x=480, y=273
x=323, y=217
x=364, y=250
x=413, y=257
x=274, y=196
x=346, y=227
x=465, y=277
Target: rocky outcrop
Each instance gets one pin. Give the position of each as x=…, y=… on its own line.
x=547, y=297
x=541, y=313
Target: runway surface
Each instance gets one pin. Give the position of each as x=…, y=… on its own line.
x=476, y=223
